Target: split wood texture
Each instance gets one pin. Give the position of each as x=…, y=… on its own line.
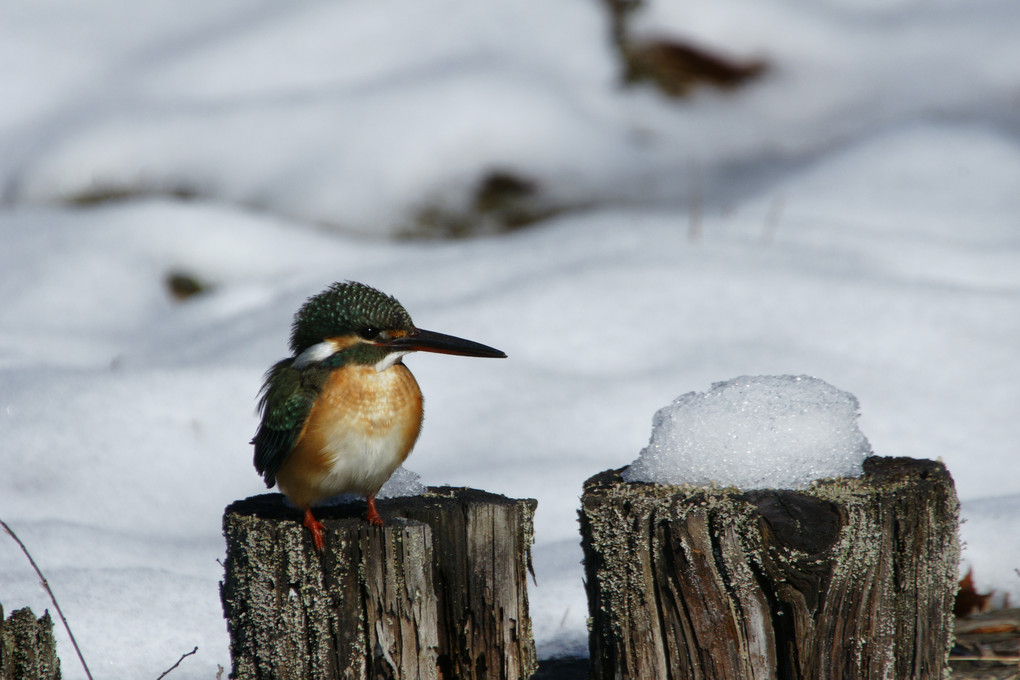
x=850, y=579
x=28, y=650
x=439, y=592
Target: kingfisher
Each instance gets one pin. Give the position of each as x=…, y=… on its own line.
x=343, y=412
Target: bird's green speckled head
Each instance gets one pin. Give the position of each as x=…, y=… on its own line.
x=346, y=308
x=351, y=323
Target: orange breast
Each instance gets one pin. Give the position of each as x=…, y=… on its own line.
x=363, y=425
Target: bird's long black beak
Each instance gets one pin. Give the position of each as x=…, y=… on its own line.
x=420, y=340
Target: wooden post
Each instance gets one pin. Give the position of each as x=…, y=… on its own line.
x=850, y=579
x=28, y=650
x=439, y=592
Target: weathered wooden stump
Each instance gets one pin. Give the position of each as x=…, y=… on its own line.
x=439, y=592
x=848, y=579
x=28, y=650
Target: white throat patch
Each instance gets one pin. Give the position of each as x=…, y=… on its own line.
x=389, y=360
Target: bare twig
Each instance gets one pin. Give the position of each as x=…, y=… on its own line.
x=49, y=591
x=183, y=657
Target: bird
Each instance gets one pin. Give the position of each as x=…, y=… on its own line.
x=343, y=412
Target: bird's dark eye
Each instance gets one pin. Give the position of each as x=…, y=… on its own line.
x=368, y=332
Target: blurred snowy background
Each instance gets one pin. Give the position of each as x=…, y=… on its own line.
x=850, y=210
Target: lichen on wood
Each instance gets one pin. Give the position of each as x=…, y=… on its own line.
x=850, y=578
x=439, y=592
x=28, y=650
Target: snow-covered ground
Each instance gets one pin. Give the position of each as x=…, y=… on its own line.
x=854, y=215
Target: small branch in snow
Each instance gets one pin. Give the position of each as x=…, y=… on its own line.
x=183, y=657
x=49, y=591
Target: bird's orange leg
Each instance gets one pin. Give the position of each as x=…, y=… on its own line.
x=373, y=516
x=315, y=526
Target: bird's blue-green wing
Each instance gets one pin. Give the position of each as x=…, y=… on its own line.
x=286, y=400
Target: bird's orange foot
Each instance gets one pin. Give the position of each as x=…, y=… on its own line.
x=315, y=526
x=373, y=516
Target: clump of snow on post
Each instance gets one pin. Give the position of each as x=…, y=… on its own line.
x=755, y=432
x=403, y=482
